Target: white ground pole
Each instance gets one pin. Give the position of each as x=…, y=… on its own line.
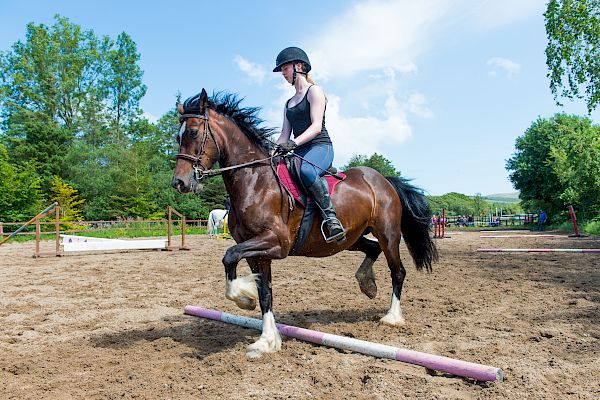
x=479, y=372
x=86, y=243
x=521, y=236
x=539, y=250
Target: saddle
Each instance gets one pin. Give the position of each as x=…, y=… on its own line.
x=288, y=171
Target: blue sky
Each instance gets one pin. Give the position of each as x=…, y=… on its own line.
x=442, y=88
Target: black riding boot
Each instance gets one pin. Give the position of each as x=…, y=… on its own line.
x=319, y=192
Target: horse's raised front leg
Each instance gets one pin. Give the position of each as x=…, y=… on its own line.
x=365, y=275
x=270, y=339
x=243, y=290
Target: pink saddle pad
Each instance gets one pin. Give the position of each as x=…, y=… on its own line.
x=292, y=186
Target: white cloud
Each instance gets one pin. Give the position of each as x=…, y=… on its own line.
x=254, y=71
x=379, y=34
x=492, y=14
x=510, y=67
x=417, y=106
x=375, y=35
x=365, y=134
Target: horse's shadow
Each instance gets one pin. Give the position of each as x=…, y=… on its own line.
x=205, y=337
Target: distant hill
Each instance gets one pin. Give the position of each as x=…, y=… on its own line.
x=512, y=197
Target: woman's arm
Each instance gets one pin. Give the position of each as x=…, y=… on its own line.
x=286, y=130
x=316, y=98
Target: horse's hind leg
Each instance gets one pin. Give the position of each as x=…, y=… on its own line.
x=270, y=339
x=365, y=275
x=391, y=249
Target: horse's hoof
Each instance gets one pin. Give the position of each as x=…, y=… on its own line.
x=246, y=303
x=367, y=284
x=369, y=288
x=253, y=354
x=262, y=346
x=392, y=320
x=243, y=292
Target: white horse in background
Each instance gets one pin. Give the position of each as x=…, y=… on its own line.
x=216, y=222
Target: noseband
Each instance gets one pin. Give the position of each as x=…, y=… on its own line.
x=199, y=171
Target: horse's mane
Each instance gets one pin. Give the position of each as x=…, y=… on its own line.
x=246, y=118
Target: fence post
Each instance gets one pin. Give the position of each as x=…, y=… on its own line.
x=169, y=230
x=37, y=237
x=57, y=225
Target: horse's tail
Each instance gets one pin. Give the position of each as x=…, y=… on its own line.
x=415, y=223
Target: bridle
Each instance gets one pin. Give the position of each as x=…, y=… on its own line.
x=199, y=171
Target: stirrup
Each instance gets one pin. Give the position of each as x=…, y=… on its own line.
x=340, y=237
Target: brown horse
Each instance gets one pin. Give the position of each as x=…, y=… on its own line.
x=265, y=224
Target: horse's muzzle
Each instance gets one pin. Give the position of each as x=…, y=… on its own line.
x=179, y=185
x=182, y=187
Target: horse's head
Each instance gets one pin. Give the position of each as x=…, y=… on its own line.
x=198, y=148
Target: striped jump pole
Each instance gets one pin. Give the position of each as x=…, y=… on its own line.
x=479, y=372
x=25, y=225
x=539, y=250
x=520, y=236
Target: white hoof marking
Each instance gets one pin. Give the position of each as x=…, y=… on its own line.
x=269, y=341
x=243, y=291
x=394, y=315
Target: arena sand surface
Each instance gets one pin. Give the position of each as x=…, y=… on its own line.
x=111, y=325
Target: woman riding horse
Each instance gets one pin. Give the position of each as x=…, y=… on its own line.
x=304, y=116
x=265, y=223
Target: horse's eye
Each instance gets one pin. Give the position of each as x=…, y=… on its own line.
x=193, y=133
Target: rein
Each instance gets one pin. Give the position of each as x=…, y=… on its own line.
x=200, y=173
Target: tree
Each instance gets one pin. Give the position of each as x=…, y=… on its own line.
x=556, y=163
x=36, y=139
x=20, y=197
x=479, y=204
x=122, y=81
x=54, y=72
x=573, y=50
x=375, y=161
x=67, y=199
x=576, y=162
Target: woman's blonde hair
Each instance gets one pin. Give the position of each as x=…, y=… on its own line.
x=309, y=77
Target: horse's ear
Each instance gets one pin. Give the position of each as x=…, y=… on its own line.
x=179, y=108
x=203, y=100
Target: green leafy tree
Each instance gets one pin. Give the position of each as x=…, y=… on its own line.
x=37, y=139
x=54, y=72
x=530, y=169
x=68, y=200
x=573, y=50
x=375, y=161
x=575, y=159
x=479, y=205
x=122, y=81
x=20, y=197
x=556, y=164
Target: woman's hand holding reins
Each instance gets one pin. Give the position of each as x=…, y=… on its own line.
x=286, y=147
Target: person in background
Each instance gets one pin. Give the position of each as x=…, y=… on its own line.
x=542, y=220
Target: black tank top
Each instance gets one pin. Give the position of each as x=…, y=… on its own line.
x=299, y=117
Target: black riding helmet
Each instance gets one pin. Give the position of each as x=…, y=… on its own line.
x=289, y=55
